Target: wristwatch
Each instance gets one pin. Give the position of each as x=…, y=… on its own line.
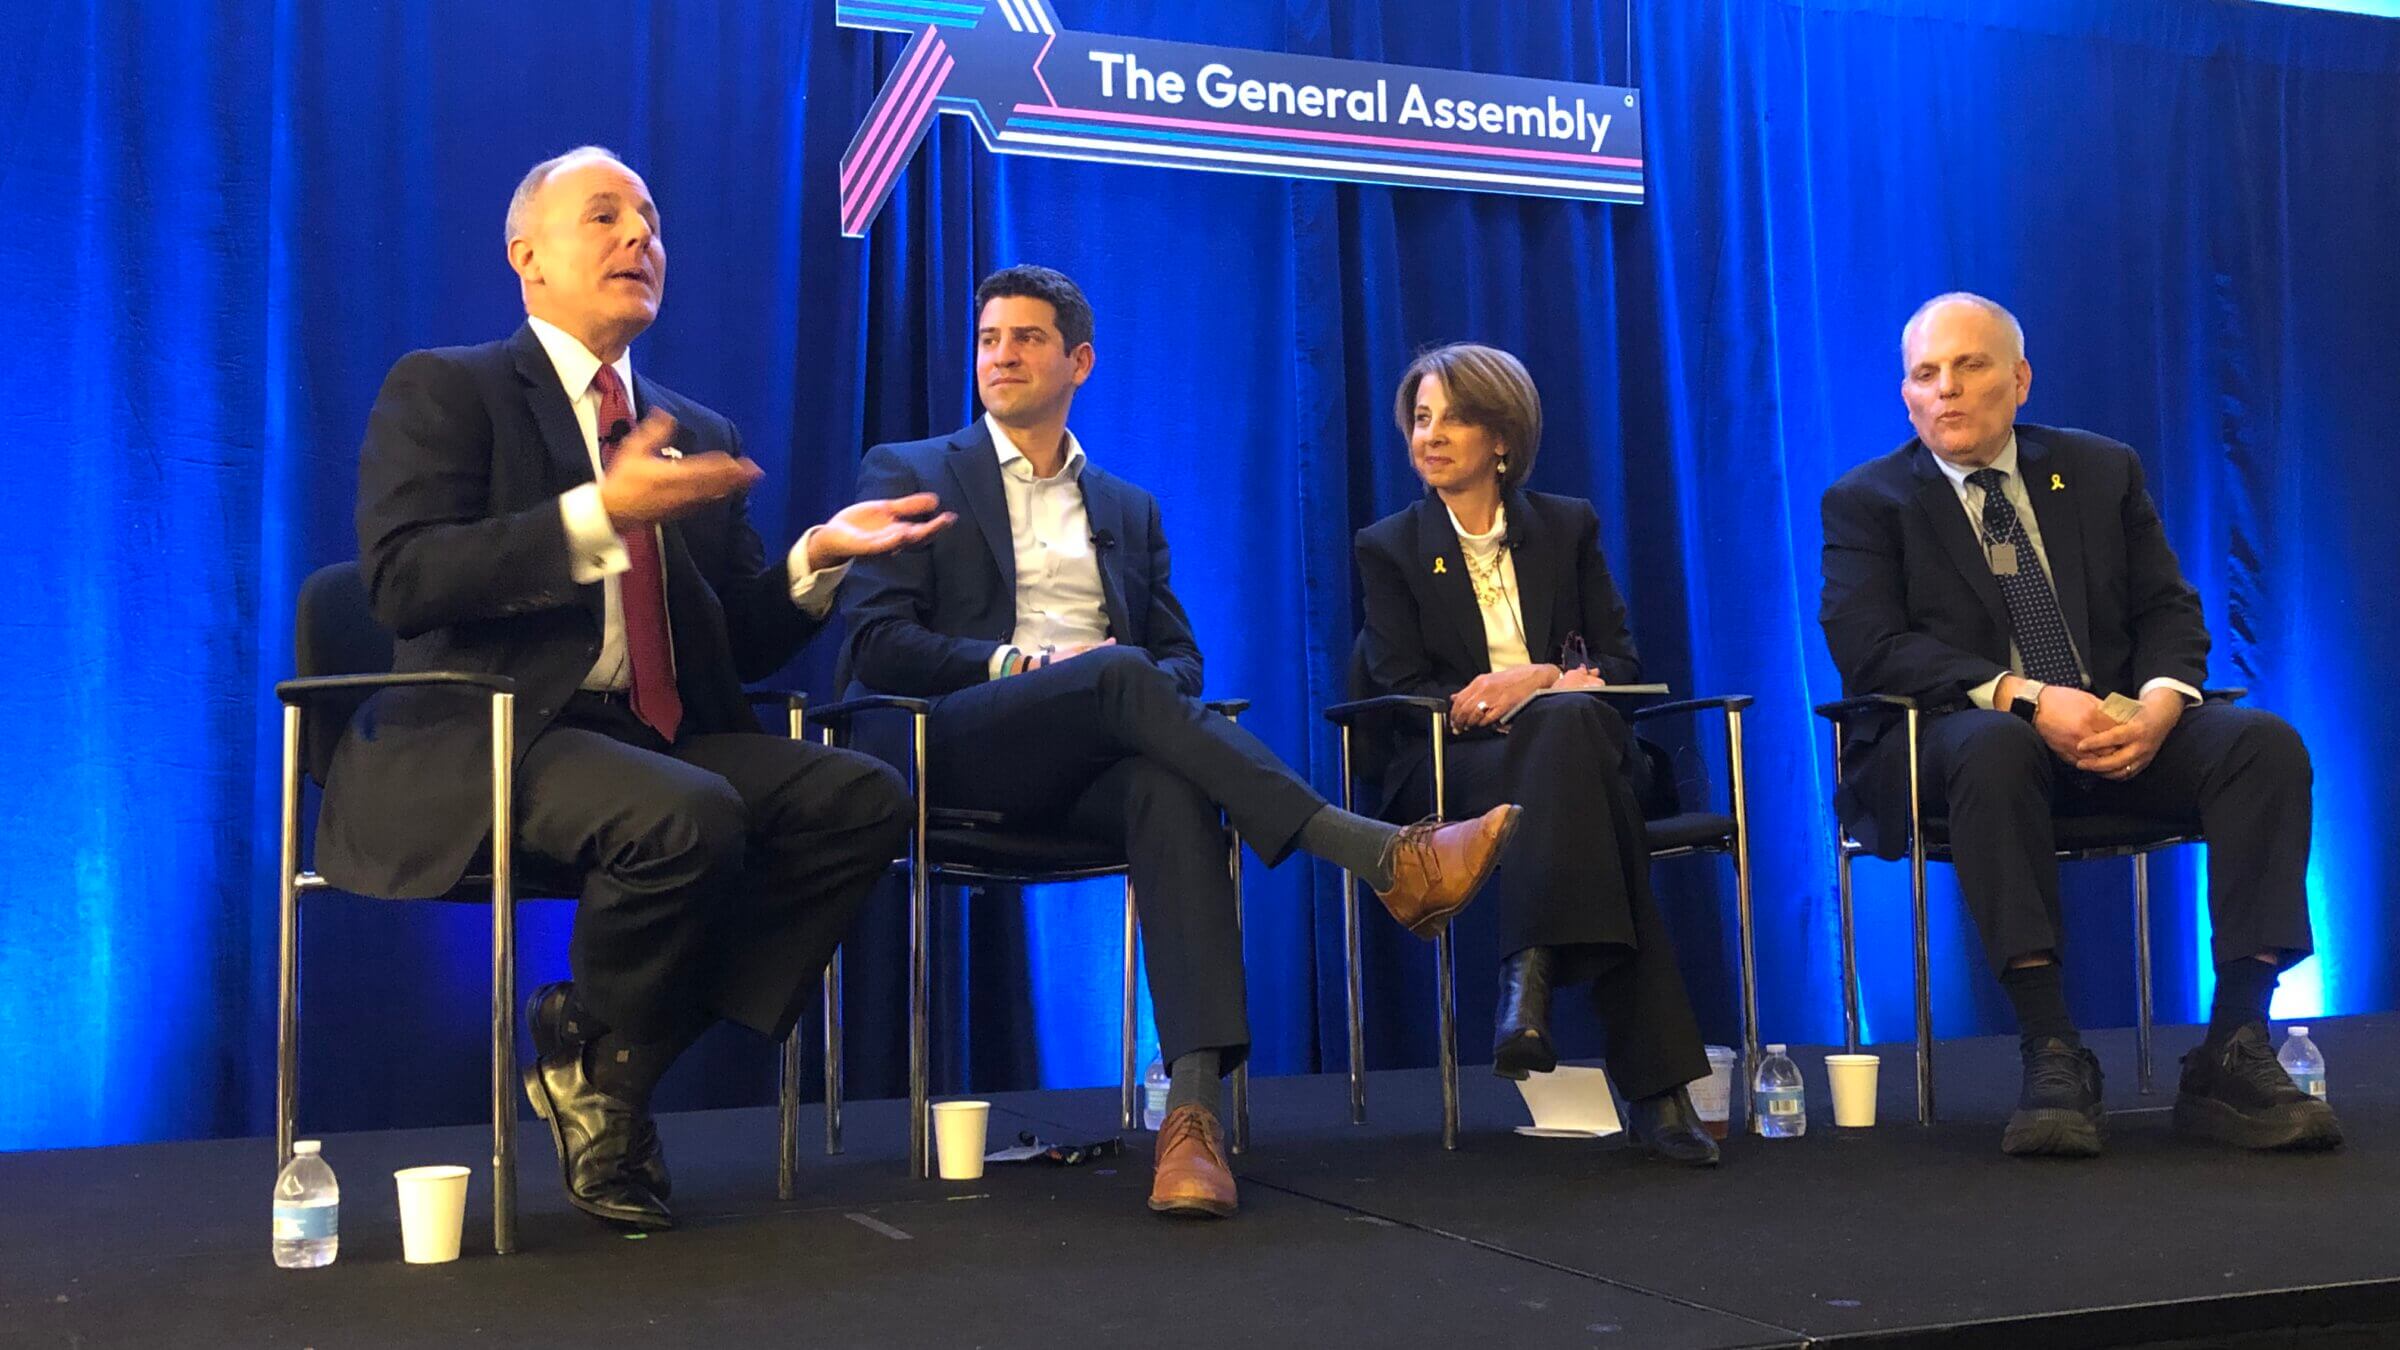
x=2028, y=702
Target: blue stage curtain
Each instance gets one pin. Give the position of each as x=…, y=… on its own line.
x=226, y=219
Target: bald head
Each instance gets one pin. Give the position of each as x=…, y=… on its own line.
x=1963, y=376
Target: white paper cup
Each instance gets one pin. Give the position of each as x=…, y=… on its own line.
x=433, y=1208
x=958, y=1129
x=1712, y=1096
x=1853, y=1079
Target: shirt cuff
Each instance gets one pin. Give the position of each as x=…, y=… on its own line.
x=593, y=548
x=2162, y=682
x=813, y=591
x=999, y=662
x=1983, y=694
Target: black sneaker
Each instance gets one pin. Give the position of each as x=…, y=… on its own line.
x=2236, y=1093
x=2058, y=1113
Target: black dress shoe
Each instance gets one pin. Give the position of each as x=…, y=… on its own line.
x=1669, y=1126
x=561, y=1027
x=594, y=1134
x=2058, y=1110
x=1521, y=1029
x=2235, y=1092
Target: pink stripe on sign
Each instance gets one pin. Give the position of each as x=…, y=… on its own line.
x=921, y=53
x=895, y=126
x=1336, y=137
x=920, y=112
x=1037, y=71
x=875, y=137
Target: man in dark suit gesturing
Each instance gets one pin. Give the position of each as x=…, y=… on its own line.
x=2017, y=582
x=1066, y=686
x=515, y=518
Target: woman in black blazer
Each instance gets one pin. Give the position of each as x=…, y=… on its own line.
x=1488, y=595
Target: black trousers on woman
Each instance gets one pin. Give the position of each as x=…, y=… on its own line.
x=1577, y=876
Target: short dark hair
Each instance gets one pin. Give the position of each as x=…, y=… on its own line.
x=1041, y=283
x=1488, y=388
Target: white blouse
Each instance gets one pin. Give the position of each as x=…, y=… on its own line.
x=1494, y=567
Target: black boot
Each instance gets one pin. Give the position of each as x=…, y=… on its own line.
x=1669, y=1126
x=1521, y=1029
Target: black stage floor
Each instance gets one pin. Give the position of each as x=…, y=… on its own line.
x=1348, y=1234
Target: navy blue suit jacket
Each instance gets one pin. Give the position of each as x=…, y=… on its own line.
x=926, y=620
x=1910, y=605
x=465, y=559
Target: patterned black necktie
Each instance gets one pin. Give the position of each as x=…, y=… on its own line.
x=2041, y=630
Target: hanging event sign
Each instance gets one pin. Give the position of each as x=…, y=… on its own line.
x=1033, y=88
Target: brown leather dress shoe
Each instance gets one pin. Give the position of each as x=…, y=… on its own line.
x=1190, y=1175
x=1436, y=868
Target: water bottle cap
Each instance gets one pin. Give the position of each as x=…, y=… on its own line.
x=2299, y=1031
x=1776, y=1049
x=304, y=1147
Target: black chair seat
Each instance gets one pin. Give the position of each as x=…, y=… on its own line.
x=529, y=882
x=1004, y=853
x=2095, y=836
x=1689, y=829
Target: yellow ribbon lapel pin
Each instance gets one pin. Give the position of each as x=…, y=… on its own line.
x=1441, y=567
x=2057, y=484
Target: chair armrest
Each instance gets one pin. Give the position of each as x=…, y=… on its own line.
x=840, y=715
x=309, y=689
x=784, y=698
x=1731, y=703
x=1844, y=708
x=1227, y=707
x=1347, y=714
x=2229, y=694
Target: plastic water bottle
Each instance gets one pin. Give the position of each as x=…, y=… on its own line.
x=1154, y=1096
x=1778, y=1100
x=2301, y=1059
x=308, y=1210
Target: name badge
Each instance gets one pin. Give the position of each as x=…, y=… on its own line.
x=2004, y=560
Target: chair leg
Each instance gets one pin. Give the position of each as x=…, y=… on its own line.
x=287, y=948
x=1745, y=926
x=1916, y=897
x=1445, y=979
x=1353, y=1002
x=1128, y=1037
x=504, y=975
x=1241, y=1071
x=1849, y=935
x=920, y=1154
x=833, y=1053
x=787, y=1116
x=2141, y=971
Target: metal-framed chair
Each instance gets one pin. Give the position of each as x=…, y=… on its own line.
x=1677, y=836
x=975, y=848
x=2083, y=838
x=343, y=656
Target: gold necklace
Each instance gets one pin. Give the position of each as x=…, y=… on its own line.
x=1490, y=588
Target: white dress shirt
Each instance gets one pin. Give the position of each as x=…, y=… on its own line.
x=1059, y=599
x=1970, y=497
x=596, y=551
x=1503, y=624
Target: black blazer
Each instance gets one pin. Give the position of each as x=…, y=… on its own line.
x=1910, y=605
x=465, y=558
x=1424, y=633
x=926, y=620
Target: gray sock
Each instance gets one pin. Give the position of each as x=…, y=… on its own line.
x=1195, y=1079
x=1355, y=844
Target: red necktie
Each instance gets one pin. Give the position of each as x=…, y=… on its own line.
x=643, y=587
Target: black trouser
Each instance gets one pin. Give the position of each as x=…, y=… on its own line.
x=1104, y=745
x=2243, y=774
x=719, y=872
x=1577, y=876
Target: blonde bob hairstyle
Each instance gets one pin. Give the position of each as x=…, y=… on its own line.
x=1488, y=388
